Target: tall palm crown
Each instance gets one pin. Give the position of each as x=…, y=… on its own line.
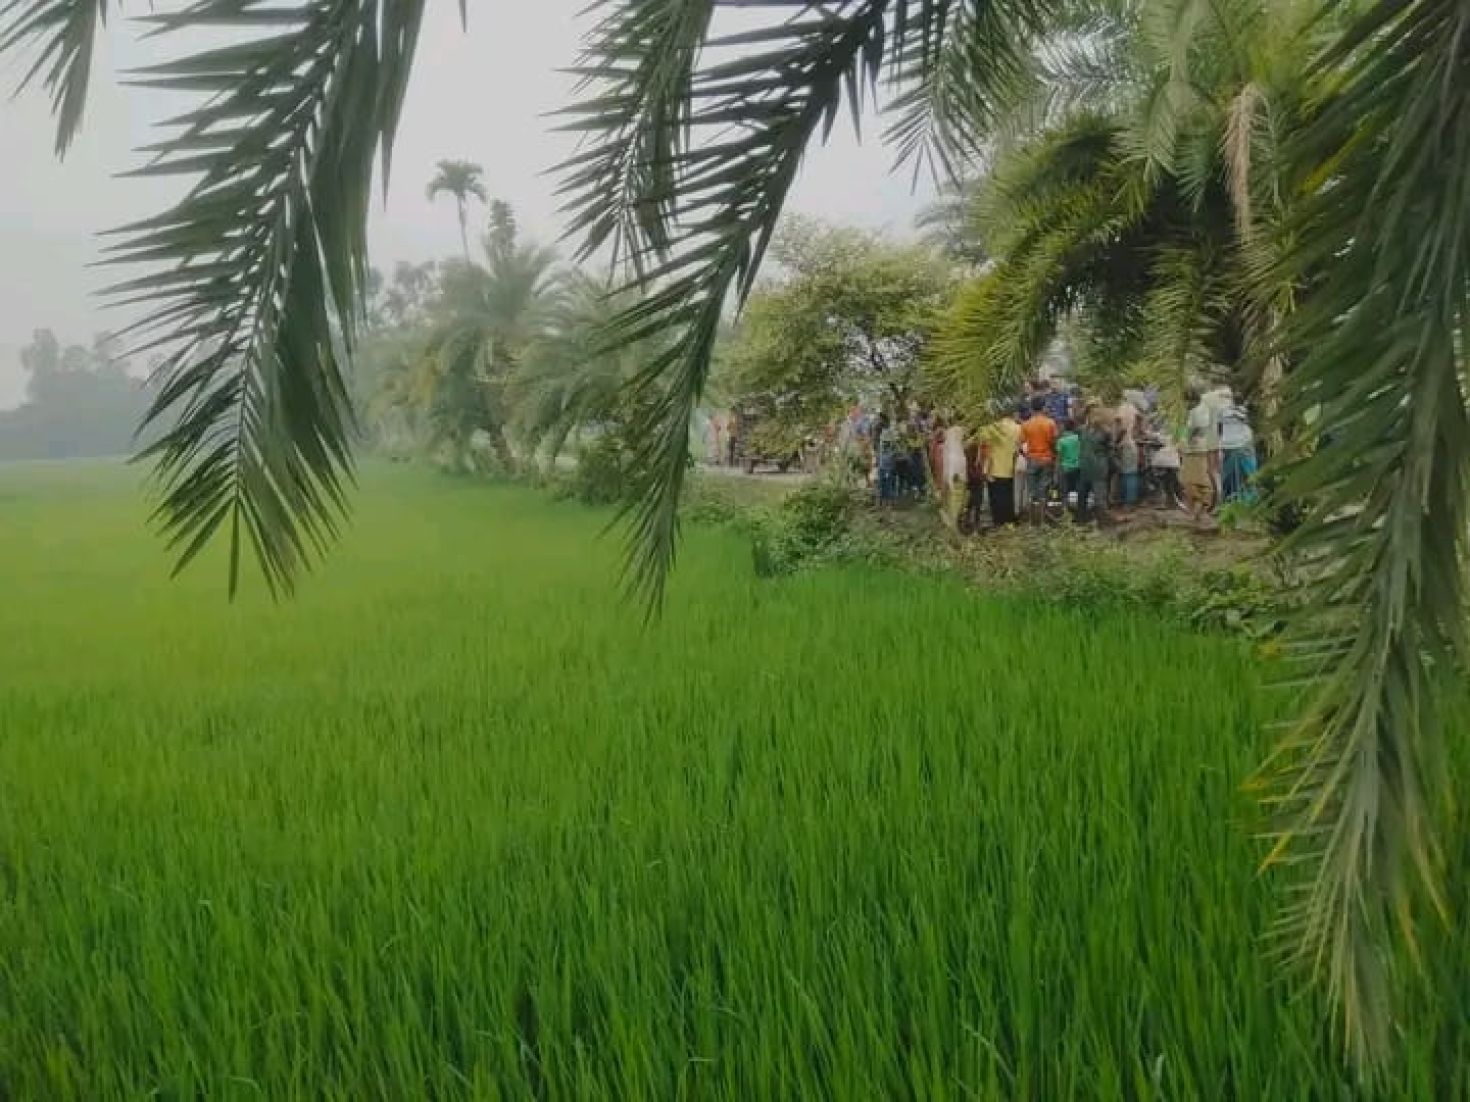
x=1141, y=206
x=694, y=131
x=463, y=180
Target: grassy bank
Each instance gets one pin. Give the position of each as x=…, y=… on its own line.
x=453, y=823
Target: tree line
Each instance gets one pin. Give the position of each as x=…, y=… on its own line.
x=81, y=401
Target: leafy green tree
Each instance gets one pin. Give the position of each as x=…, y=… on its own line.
x=464, y=181
x=256, y=277
x=847, y=318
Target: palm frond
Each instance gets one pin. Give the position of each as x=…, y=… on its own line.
x=754, y=104
x=1031, y=184
x=1062, y=230
x=260, y=268
x=1380, y=346
x=1088, y=63
x=1171, y=30
x=61, y=34
x=1182, y=313
x=636, y=73
x=957, y=78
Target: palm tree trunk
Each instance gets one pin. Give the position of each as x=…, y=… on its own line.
x=500, y=448
x=464, y=235
x=1272, y=377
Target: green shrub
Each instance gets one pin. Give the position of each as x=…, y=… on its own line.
x=1240, y=600
x=602, y=476
x=808, y=525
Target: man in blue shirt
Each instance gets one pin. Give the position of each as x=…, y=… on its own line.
x=1057, y=401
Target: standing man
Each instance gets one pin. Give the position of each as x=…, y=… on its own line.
x=1237, y=450
x=1001, y=440
x=1197, y=455
x=1039, y=445
x=1166, y=463
x=1069, y=460
x=977, y=452
x=1128, y=476
x=1058, y=402
x=1092, y=483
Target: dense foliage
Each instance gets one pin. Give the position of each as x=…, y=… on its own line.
x=1140, y=206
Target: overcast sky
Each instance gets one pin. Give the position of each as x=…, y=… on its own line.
x=480, y=95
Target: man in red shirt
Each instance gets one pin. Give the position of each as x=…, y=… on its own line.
x=1039, y=444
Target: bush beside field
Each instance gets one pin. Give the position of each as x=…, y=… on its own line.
x=454, y=823
x=1228, y=586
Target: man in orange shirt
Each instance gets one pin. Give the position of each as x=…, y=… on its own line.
x=1039, y=443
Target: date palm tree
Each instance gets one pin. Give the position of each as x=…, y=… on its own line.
x=1142, y=211
x=463, y=180
x=694, y=129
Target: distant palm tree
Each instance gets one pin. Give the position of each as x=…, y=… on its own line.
x=482, y=322
x=462, y=179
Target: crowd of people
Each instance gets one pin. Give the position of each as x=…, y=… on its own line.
x=1056, y=451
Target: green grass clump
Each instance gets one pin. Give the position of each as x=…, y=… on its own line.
x=454, y=824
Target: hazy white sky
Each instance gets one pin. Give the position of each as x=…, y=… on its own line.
x=482, y=95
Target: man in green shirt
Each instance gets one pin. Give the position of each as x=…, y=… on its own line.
x=1069, y=458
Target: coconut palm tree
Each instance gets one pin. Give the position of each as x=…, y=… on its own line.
x=694, y=132
x=463, y=180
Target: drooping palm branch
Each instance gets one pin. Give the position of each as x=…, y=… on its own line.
x=1382, y=245
x=258, y=272
x=1081, y=233
x=60, y=34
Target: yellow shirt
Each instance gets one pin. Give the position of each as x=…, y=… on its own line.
x=1003, y=438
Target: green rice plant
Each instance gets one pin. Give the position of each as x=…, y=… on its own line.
x=455, y=823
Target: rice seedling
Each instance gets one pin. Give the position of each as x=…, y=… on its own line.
x=455, y=824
